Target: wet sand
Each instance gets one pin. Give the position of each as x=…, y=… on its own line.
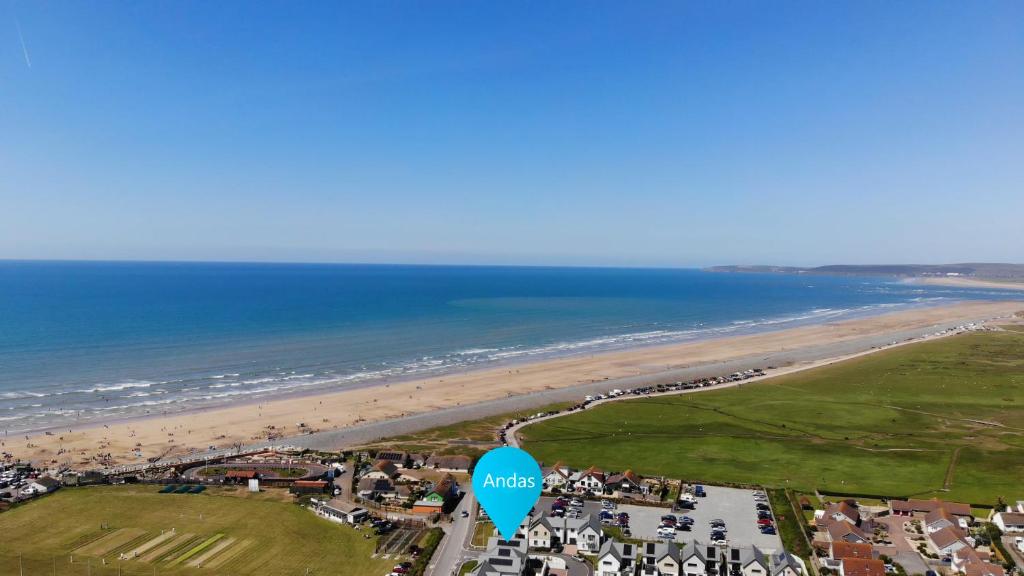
x=345, y=416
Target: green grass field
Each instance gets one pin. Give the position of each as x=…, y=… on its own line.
x=222, y=531
x=915, y=420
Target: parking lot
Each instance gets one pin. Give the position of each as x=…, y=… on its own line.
x=733, y=505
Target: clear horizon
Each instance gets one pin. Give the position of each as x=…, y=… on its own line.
x=579, y=134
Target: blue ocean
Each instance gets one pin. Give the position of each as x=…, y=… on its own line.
x=88, y=341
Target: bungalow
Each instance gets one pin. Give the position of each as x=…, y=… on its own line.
x=416, y=459
x=844, y=511
x=938, y=519
x=383, y=470
x=557, y=476
x=785, y=564
x=841, y=550
x=591, y=480
x=371, y=488
x=340, y=511
x=861, y=567
x=456, y=463
x=396, y=458
x=628, y=481
x=44, y=484
x=695, y=558
x=974, y=563
x=746, y=561
x=1009, y=521
x=839, y=530
x=660, y=559
x=616, y=559
x=909, y=507
x=984, y=569
x=947, y=540
x=442, y=493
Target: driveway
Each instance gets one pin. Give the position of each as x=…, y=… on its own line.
x=901, y=550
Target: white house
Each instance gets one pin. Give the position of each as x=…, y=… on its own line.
x=557, y=476
x=747, y=560
x=785, y=564
x=1009, y=521
x=584, y=533
x=947, y=541
x=591, y=480
x=660, y=559
x=695, y=558
x=616, y=559
x=383, y=470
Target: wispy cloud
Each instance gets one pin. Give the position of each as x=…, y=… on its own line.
x=24, y=48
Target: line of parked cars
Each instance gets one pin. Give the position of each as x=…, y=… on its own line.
x=765, y=522
x=609, y=517
x=563, y=507
x=719, y=532
x=670, y=524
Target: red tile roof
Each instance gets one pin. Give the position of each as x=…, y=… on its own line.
x=863, y=567
x=841, y=550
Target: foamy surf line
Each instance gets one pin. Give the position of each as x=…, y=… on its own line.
x=130, y=399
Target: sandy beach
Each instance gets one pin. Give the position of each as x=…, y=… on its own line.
x=971, y=283
x=161, y=436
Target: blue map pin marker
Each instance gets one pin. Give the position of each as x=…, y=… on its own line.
x=507, y=481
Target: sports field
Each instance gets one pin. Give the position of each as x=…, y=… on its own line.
x=133, y=530
x=942, y=418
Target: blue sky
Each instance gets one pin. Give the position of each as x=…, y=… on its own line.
x=675, y=133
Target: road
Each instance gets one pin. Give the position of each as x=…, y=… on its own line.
x=454, y=549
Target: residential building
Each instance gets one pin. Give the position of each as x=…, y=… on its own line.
x=506, y=558
x=786, y=564
x=844, y=511
x=745, y=561
x=697, y=558
x=371, y=488
x=947, y=540
x=383, y=469
x=1009, y=521
x=842, y=549
x=590, y=480
x=616, y=559
x=861, y=567
x=909, y=507
x=454, y=463
x=557, y=476
x=660, y=559
x=441, y=494
x=938, y=519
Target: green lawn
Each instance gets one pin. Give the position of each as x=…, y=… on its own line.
x=230, y=531
x=482, y=532
x=890, y=423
